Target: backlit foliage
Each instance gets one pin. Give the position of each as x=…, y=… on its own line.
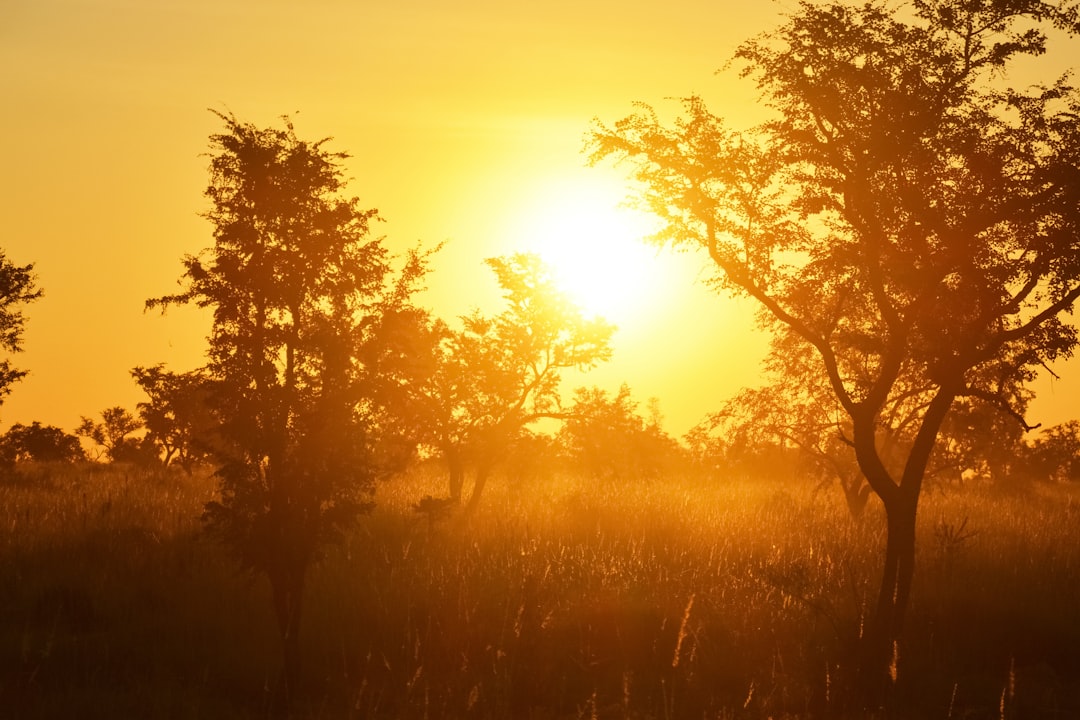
x=497, y=374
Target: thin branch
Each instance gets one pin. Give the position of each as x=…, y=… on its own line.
x=1000, y=403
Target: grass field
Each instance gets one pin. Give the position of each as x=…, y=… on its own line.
x=558, y=599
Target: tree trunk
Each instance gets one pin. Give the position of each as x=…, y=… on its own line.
x=879, y=669
x=856, y=494
x=457, y=474
x=482, y=473
x=287, y=584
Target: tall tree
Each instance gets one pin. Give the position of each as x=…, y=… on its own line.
x=496, y=375
x=300, y=293
x=903, y=213
x=18, y=286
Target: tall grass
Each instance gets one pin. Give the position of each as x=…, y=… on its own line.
x=114, y=606
x=559, y=598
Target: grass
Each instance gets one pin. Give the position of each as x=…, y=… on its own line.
x=560, y=598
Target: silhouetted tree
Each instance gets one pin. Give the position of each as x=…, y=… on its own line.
x=496, y=375
x=979, y=442
x=769, y=432
x=1053, y=455
x=176, y=414
x=902, y=213
x=607, y=437
x=39, y=443
x=300, y=292
x=18, y=286
x=113, y=433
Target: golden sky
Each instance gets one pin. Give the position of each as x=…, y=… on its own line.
x=465, y=121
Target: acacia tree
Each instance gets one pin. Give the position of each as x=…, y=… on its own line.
x=979, y=442
x=176, y=413
x=39, y=443
x=113, y=433
x=1053, y=455
x=774, y=428
x=299, y=292
x=605, y=435
x=903, y=213
x=496, y=375
x=18, y=286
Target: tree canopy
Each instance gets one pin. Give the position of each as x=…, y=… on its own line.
x=176, y=414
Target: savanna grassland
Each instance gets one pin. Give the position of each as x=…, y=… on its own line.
x=559, y=598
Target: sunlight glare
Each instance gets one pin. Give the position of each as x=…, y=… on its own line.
x=594, y=246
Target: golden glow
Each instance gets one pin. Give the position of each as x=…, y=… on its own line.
x=594, y=246
x=465, y=124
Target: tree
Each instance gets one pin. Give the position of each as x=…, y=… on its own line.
x=1054, y=455
x=176, y=413
x=496, y=375
x=606, y=436
x=18, y=286
x=978, y=442
x=113, y=433
x=774, y=430
x=903, y=214
x=301, y=295
x=39, y=443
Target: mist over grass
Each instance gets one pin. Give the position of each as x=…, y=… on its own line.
x=559, y=598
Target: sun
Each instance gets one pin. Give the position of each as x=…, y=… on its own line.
x=594, y=245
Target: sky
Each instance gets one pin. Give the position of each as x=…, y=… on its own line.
x=465, y=123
